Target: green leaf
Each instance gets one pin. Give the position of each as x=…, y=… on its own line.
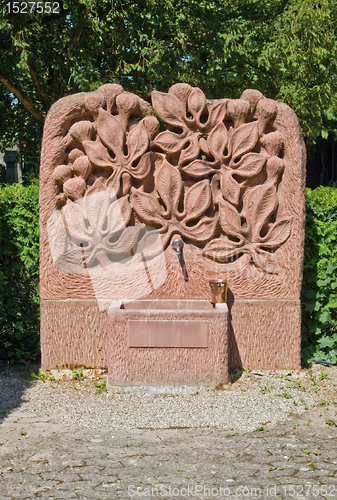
x=325, y=317
x=323, y=282
x=326, y=341
x=317, y=306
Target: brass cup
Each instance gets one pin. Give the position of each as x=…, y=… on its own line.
x=219, y=291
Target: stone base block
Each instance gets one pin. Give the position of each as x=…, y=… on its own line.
x=261, y=334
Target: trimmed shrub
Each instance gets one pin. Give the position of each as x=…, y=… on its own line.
x=19, y=273
x=319, y=289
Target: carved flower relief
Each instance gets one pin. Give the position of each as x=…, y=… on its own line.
x=240, y=166
x=248, y=211
x=176, y=211
x=199, y=142
x=242, y=162
x=90, y=231
x=122, y=155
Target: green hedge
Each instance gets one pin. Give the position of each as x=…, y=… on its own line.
x=19, y=255
x=19, y=273
x=319, y=290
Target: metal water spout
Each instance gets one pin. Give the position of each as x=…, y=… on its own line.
x=178, y=246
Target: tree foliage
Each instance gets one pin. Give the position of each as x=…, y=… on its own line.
x=285, y=48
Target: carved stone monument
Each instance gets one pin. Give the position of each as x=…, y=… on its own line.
x=226, y=178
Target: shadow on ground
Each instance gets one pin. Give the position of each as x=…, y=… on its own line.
x=13, y=383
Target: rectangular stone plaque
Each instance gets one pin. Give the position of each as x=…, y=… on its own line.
x=167, y=333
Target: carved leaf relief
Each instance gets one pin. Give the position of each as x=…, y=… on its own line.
x=110, y=132
x=137, y=142
x=197, y=200
x=278, y=234
x=142, y=169
x=97, y=154
x=212, y=176
x=190, y=150
x=217, y=141
x=243, y=140
x=170, y=141
x=229, y=187
x=202, y=231
x=198, y=169
x=196, y=102
x=169, y=186
x=262, y=201
x=148, y=208
x=250, y=165
x=168, y=108
x=217, y=112
x=230, y=220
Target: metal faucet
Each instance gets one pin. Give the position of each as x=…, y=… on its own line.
x=178, y=246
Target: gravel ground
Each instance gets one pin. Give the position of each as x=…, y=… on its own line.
x=253, y=398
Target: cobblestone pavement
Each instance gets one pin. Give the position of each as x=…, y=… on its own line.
x=296, y=458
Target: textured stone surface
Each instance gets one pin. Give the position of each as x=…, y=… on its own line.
x=74, y=333
x=265, y=334
x=227, y=176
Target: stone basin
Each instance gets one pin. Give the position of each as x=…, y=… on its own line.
x=168, y=342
